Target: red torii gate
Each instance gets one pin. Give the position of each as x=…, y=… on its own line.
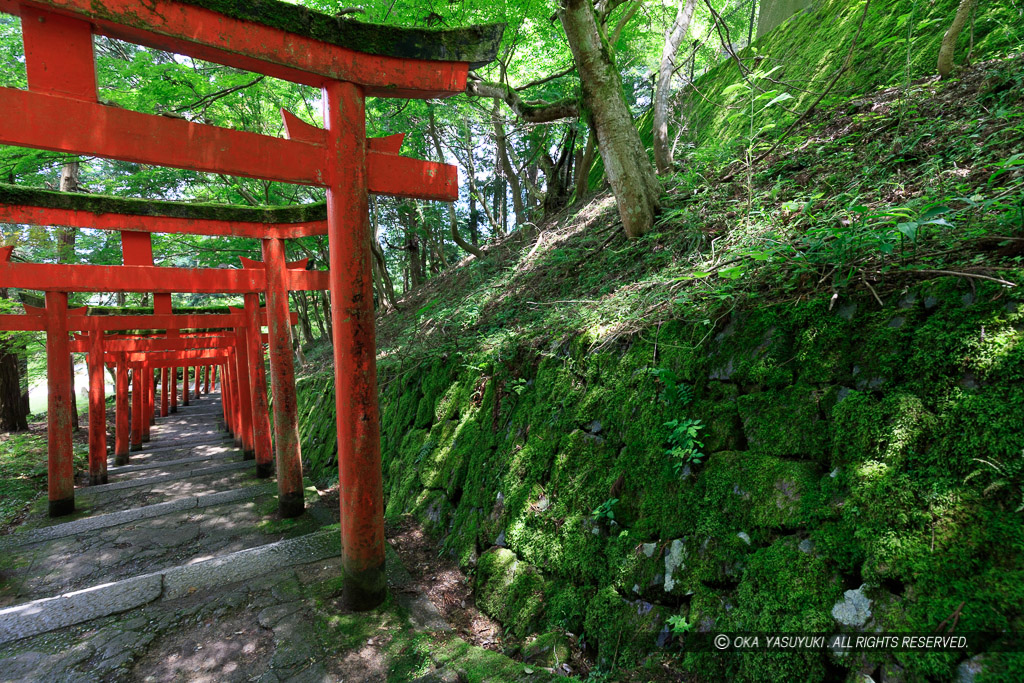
x=60, y=112
x=241, y=361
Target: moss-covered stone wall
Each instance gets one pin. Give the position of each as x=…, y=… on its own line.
x=855, y=448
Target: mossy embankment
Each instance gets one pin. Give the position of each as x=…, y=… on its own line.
x=842, y=324
x=897, y=42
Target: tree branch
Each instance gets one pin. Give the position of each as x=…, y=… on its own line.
x=546, y=79
x=623, y=21
x=206, y=100
x=563, y=109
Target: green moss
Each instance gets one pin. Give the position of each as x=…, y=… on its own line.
x=786, y=423
x=476, y=44
x=511, y=591
x=812, y=43
x=102, y=204
x=623, y=631
x=838, y=485
x=889, y=429
x=783, y=589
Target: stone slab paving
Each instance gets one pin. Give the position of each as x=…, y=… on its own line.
x=190, y=471
x=183, y=464
x=154, y=451
x=87, y=524
x=152, y=517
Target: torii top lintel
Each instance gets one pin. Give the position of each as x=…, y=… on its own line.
x=292, y=42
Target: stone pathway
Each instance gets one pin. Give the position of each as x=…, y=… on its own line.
x=180, y=569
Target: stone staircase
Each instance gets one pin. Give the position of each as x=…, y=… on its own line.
x=186, y=514
x=180, y=569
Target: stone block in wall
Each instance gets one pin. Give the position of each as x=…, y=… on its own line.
x=745, y=490
x=622, y=630
x=723, y=430
x=510, y=591
x=786, y=422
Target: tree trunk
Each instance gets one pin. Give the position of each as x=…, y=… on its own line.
x=66, y=254
x=583, y=168
x=630, y=172
x=501, y=143
x=325, y=305
x=500, y=205
x=453, y=221
x=303, y=305
x=474, y=214
x=948, y=47
x=26, y=408
x=663, y=92
x=379, y=264
x=13, y=416
x=558, y=176
x=474, y=219
x=406, y=216
x=319, y=318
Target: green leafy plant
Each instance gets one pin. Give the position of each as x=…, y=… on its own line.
x=517, y=385
x=679, y=624
x=605, y=512
x=685, y=446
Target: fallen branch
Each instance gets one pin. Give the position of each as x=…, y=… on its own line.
x=957, y=273
x=873, y=292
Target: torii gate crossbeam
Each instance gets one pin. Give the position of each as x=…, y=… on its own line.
x=60, y=112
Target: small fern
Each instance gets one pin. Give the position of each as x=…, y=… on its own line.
x=1005, y=476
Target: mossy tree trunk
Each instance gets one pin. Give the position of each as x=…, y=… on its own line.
x=559, y=175
x=629, y=170
x=583, y=168
x=948, y=47
x=381, y=276
x=663, y=91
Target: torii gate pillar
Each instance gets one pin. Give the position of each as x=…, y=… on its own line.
x=61, y=482
x=137, y=407
x=355, y=348
x=97, y=411
x=291, y=501
x=122, y=429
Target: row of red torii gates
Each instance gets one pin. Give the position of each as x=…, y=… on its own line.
x=60, y=112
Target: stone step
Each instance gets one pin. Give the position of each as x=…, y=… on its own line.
x=24, y=537
x=189, y=431
x=180, y=417
x=112, y=597
x=170, y=537
x=169, y=451
x=151, y=479
x=224, y=453
x=167, y=446
x=149, y=490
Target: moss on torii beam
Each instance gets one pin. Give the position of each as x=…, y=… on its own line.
x=477, y=45
x=16, y=195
